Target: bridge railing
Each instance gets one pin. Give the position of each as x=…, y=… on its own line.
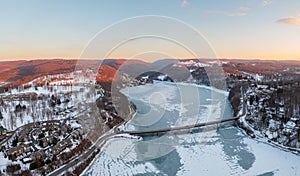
x=186, y=127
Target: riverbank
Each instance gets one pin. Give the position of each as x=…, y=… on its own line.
x=114, y=134
x=239, y=103
x=110, y=134
x=256, y=135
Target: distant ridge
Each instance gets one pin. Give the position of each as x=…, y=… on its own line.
x=14, y=73
x=160, y=64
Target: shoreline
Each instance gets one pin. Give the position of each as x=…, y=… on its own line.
x=103, y=145
x=255, y=134
x=243, y=125
x=115, y=135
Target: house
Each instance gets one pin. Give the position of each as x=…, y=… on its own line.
x=39, y=155
x=19, y=150
x=48, y=141
x=60, y=146
x=78, y=133
x=23, y=138
x=3, y=131
x=39, y=133
x=65, y=129
x=27, y=148
x=13, y=152
x=26, y=160
x=43, y=143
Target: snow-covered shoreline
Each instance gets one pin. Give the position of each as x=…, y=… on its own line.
x=259, y=137
x=106, y=141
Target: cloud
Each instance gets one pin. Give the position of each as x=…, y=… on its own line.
x=184, y=3
x=241, y=11
x=266, y=2
x=290, y=21
x=244, y=9
x=236, y=14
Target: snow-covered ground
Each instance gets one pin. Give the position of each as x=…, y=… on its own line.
x=267, y=113
x=197, y=63
x=38, y=108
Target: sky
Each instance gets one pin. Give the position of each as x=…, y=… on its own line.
x=241, y=29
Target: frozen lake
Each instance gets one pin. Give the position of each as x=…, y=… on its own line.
x=207, y=151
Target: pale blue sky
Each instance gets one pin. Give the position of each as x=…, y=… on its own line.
x=266, y=29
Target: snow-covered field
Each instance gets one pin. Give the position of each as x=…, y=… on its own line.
x=38, y=107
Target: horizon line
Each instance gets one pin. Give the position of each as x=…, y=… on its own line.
x=94, y=59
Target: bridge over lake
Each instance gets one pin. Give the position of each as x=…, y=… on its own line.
x=186, y=127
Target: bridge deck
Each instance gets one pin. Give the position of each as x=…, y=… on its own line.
x=181, y=127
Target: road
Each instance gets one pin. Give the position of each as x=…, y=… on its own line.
x=99, y=143
x=113, y=132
